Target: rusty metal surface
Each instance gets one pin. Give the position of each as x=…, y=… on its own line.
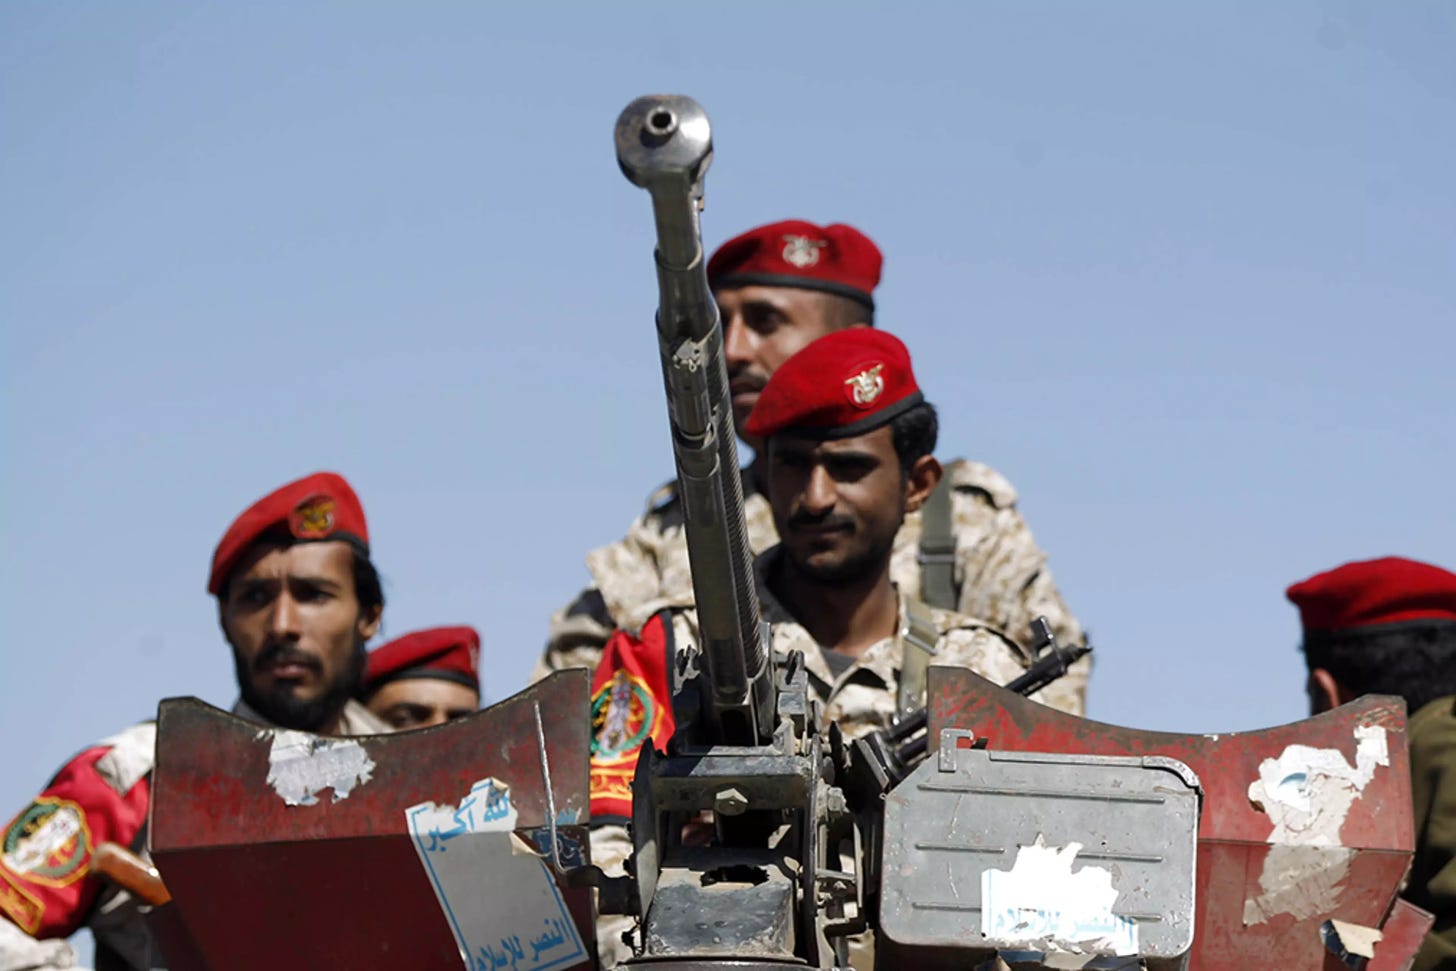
x=260, y=883
x=1234, y=834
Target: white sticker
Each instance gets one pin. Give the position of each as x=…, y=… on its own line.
x=1041, y=905
x=499, y=899
x=300, y=766
x=1307, y=793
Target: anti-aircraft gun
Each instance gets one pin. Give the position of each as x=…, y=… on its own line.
x=747, y=747
x=786, y=796
x=928, y=811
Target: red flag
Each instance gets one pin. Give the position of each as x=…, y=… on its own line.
x=631, y=704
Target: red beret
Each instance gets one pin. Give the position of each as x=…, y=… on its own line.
x=843, y=384
x=447, y=653
x=321, y=506
x=837, y=259
x=1371, y=593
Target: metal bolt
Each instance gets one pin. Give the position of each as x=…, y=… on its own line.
x=730, y=802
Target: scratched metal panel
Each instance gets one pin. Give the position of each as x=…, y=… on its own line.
x=260, y=883
x=1404, y=932
x=955, y=818
x=1354, y=880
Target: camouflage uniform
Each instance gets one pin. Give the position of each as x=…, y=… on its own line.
x=861, y=699
x=1002, y=575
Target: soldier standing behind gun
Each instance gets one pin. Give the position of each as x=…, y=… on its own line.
x=778, y=288
x=849, y=453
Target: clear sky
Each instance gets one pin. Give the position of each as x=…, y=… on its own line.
x=1185, y=274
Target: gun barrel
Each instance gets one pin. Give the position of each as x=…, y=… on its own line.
x=664, y=145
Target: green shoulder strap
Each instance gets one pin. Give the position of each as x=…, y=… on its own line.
x=937, y=550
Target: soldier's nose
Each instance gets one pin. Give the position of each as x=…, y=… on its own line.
x=737, y=348
x=819, y=494
x=285, y=616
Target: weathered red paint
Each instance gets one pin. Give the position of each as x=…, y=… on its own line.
x=258, y=883
x=1233, y=833
x=1404, y=930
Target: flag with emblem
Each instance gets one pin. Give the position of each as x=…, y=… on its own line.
x=631, y=705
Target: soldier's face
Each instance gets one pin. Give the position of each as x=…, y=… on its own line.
x=838, y=504
x=297, y=631
x=762, y=328
x=422, y=702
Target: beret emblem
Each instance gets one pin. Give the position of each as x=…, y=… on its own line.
x=866, y=386
x=313, y=518
x=801, y=251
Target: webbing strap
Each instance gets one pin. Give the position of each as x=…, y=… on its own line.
x=937, y=550
x=918, y=641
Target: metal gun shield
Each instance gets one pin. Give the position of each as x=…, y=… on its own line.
x=1300, y=823
x=292, y=851
x=1028, y=856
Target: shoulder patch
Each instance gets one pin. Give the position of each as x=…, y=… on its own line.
x=967, y=476
x=48, y=843
x=130, y=757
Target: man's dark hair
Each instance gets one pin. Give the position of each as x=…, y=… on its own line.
x=1416, y=661
x=914, y=434
x=367, y=585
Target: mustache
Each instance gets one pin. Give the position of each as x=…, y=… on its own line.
x=279, y=654
x=827, y=521
x=745, y=378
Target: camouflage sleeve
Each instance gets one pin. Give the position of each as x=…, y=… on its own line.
x=982, y=650
x=1003, y=574
x=21, y=952
x=578, y=632
x=626, y=590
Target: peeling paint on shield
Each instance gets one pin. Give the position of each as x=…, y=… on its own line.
x=300, y=766
x=1041, y=905
x=1307, y=793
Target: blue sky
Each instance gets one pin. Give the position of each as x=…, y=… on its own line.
x=1186, y=275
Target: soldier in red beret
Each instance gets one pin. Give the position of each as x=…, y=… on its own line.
x=780, y=287
x=849, y=444
x=424, y=678
x=297, y=599
x=1388, y=626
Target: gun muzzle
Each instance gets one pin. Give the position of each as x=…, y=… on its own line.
x=665, y=145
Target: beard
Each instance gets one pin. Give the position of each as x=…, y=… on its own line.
x=855, y=566
x=283, y=708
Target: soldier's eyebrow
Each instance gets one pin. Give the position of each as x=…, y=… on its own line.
x=848, y=455
x=308, y=579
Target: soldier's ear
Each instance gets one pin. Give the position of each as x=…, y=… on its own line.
x=924, y=476
x=1325, y=692
x=369, y=621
